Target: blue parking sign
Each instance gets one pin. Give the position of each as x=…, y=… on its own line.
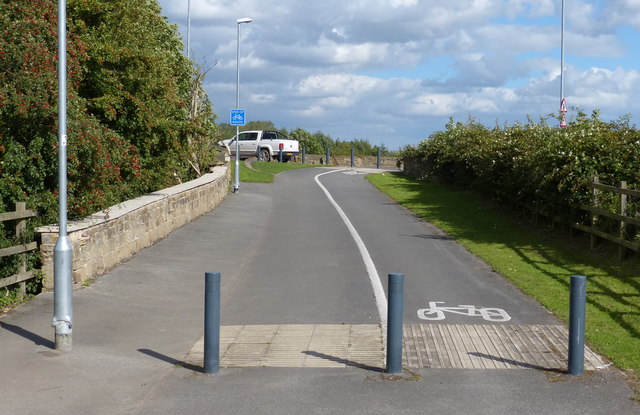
x=238, y=117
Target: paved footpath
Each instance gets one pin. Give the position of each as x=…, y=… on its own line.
x=293, y=346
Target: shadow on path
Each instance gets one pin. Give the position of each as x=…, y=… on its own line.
x=35, y=338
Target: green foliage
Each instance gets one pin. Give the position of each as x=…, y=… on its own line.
x=138, y=118
x=533, y=164
x=138, y=83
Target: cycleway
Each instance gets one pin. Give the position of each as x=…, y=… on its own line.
x=295, y=283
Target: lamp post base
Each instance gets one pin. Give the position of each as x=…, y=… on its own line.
x=63, y=342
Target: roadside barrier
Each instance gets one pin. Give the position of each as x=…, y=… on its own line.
x=395, y=312
x=577, y=307
x=212, y=322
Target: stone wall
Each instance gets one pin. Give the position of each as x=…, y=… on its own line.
x=103, y=240
x=359, y=161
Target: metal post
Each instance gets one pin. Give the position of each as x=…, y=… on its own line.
x=62, y=252
x=189, y=29
x=352, y=157
x=212, y=322
x=236, y=176
x=304, y=152
x=395, y=313
x=327, y=158
x=577, y=308
x=563, y=104
x=378, y=164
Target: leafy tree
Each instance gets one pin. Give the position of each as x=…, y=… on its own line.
x=138, y=83
x=306, y=141
x=98, y=160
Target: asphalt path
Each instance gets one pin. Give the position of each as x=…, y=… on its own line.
x=303, y=265
x=286, y=256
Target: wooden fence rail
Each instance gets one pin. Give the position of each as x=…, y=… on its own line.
x=622, y=216
x=626, y=236
x=20, y=216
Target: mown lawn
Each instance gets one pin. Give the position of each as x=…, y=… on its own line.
x=263, y=171
x=538, y=259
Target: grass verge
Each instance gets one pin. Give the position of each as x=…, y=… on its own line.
x=263, y=171
x=537, y=259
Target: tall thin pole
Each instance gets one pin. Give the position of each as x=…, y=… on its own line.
x=236, y=179
x=62, y=253
x=189, y=29
x=563, y=103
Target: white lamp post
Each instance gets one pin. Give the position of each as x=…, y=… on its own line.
x=563, y=102
x=236, y=180
x=189, y=29
x=62, y=252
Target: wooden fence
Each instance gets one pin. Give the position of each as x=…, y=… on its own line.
x=627, y=234
x=625, y=239
x=19, y=216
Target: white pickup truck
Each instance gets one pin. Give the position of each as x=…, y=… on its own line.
x=268, y=144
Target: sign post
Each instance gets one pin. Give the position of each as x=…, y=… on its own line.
x=237, y=119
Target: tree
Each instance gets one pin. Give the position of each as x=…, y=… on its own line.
x=138, y=83
x=98, y=159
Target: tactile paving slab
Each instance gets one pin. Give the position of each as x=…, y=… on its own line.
x=458, y=346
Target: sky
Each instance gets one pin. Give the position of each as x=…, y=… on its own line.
x=393, y=72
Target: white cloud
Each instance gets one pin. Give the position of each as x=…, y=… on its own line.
x=374, y=68
x=262, y=98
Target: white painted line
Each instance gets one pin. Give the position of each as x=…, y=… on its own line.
x=374, y=278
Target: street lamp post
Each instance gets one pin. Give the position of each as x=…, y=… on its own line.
x=563, y=102
x=62, y=252
x=236, y=180
x=189, y=29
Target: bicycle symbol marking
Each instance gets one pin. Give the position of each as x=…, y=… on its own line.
x=435, y=312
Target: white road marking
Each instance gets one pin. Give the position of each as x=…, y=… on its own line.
x=436, y=312
x=374, y=278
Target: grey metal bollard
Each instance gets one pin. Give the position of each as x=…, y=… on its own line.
x=353, y=156
x=577, y=311
x=378, y=161
x=328, y=155
x=212, y=322
x=395, y=313
x=304, y=153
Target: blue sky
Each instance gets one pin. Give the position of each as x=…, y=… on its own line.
x=395, y=71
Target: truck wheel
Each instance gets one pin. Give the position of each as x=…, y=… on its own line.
x=265, y=155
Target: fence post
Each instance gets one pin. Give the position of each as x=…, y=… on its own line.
x=211, y=322
x=622, y=251
x=594, y=216
x=21, y=227
x=577, y=311
x=395, y=312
